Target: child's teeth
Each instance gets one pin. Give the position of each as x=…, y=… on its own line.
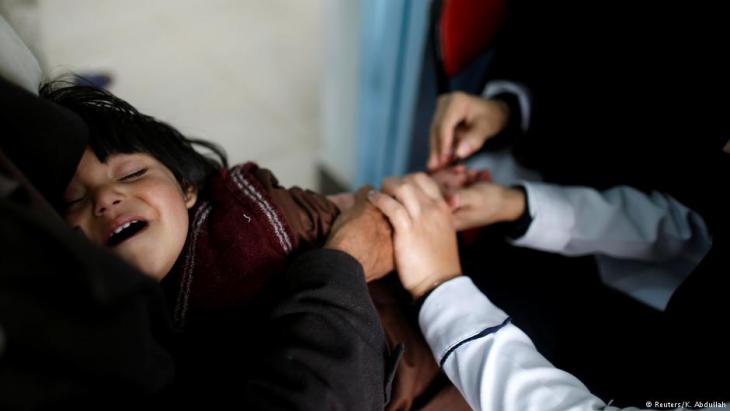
x=122, y=227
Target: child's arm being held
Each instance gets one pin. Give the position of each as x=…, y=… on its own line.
x=310, y=215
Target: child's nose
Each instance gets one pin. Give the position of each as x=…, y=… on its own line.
x=105, y=201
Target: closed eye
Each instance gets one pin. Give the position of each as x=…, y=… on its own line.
x=70, y=204
x=134, y=175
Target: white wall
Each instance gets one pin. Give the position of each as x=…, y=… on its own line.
x=246, y=74
x=339, y=88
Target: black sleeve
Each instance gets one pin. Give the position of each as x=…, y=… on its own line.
x=78, y=327
x=326, y=349
x=45, y=141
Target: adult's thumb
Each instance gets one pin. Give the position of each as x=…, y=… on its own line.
x=361, y=195
x=469, y=143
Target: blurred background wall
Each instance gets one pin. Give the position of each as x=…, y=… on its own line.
x=308, y=88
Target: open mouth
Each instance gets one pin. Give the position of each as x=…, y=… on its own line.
x=125, y=231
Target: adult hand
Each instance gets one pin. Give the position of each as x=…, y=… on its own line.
x=424, y=237
x=343, y=201
x=363, y=232
x=461, y=125
x=484, y=203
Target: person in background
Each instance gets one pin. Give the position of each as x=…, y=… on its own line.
x=596, y=154
x=497, y=367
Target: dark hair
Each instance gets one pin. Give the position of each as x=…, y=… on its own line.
x=115, y=127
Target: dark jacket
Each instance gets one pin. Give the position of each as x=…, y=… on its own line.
x=623, y=93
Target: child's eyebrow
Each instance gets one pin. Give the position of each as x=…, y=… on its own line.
x=120, y=161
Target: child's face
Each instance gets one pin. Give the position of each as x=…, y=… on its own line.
x=132, y=204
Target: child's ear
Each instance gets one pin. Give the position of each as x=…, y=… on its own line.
x=191, y=196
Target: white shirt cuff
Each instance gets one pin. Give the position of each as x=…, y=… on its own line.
x=442, y=318
x=552, y=218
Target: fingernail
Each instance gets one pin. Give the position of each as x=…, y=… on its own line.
x=462, y=150
x=371, y=194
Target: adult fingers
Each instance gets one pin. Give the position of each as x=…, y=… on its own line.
x=448, y=115
x=469, y=140
x=427, y=185
x=404, y=192
x=393, y=210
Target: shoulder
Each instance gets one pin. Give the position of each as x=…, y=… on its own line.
x=251, y=182
x=258, y=176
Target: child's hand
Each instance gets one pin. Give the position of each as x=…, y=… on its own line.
x=363, y=232
x=452, y=179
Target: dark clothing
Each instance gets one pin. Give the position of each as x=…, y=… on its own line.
x=623, y=93
x=621, y=349
x=44, y=140
x=320, y=346
x=81, y=329
x=77, y=325
x=242, y=235
x=326, y=326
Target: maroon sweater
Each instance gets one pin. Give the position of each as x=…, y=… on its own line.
x=243, y=232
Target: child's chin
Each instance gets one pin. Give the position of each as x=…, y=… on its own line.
x=148, y=265
x=131, y=255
